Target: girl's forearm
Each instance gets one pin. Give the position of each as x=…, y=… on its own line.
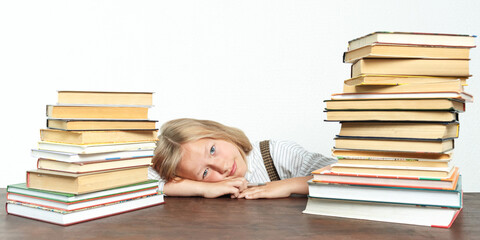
x=183, y=188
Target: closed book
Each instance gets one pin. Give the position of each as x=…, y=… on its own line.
x=389, y=80
x=424, y=172
x=405, y=51
x=444, y=104
x=75, y=157
x=390, y=155
x=105, y=98
x=413, y=38
x=22, y=189
x=86, y=182
x=455, y=85
x=95, y=148
x=326, y=175
x=66, y=218
x=422, y=67
x=92, y=166
x=96, y=112
x=392, y=115
x=79, y=205
x=463, y=96
x=100, y=124
x=93, y=137
x=424, y=130
x=384, y=212
x=387, y=194
x=397, y=145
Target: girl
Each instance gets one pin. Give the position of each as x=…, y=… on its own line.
x=205, y=158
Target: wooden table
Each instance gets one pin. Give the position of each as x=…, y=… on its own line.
x=225, y=218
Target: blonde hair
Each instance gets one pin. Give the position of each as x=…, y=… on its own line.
x=174, y=133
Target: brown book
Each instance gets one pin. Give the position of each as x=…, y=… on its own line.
x=86, y=182
x=421, y=67
x=391, y=144
x=374, y=115
x=100, y=124
x=392, y=80
x=96, y=137
x=92, y=166
x=397, y=104
x=448, y=85
x=107, y=98
x=405, y=51
x=96, y=112
x=425, y=130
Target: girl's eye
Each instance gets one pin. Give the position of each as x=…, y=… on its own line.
x=205, y=173
x=212, y=150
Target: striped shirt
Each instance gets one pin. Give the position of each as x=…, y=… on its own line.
x=290, y=159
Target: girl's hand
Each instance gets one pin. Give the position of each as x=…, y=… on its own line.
x=232, y=186
x=277, y=189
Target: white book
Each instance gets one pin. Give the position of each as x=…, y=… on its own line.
x=384, y=212
x=95, y=148
x=72, y=217
x=352, y=96
x=73, y=157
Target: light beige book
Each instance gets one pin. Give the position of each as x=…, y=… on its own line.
x=393, y=170
x=394, y=145
x=105, y=97
x=449, y=85
x=96, y=137
x=92, y=166
x=399, y=80
x=86, y=182
x=397, y=104
x=405, y=51
x=429, y=116
x=390, y=155
x=427, y=130
x=422, y=67
x=96, y=112
x=100, y=124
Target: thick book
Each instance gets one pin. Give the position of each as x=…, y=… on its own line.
x=389, y=155
x=79, y=205
x=384, y=212
x=413, y=38
x=93, y=137
x=405, y=51
x=387, y=194
x=85, y=182
x=21, y=188
x=463, y=96
x=425, y=172
x=96, y=112
x=105, y=98
x=422, y=67
x=447, y=85
x=392, y=80
x=100, y=124
x=326, y=175
x=395, y=144
x=66, y=218
x=443, y=104
x=424, y=130
x=95, y=148
x=74, y=157
x=92, y=166
x=392, y=115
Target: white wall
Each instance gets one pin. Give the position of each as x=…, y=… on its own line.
x=262, y=66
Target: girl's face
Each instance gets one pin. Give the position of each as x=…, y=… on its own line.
x=211, y=160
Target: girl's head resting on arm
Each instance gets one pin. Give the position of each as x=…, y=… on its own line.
x=179, y=135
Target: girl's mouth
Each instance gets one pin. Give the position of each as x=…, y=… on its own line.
x=234, y=168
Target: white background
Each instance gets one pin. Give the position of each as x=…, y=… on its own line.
x=262, y=66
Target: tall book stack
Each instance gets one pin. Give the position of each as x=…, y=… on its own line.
x=399, y=118
x=93, y=159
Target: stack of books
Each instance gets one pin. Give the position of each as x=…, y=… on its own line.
x=399, y=118
x=93, y=159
